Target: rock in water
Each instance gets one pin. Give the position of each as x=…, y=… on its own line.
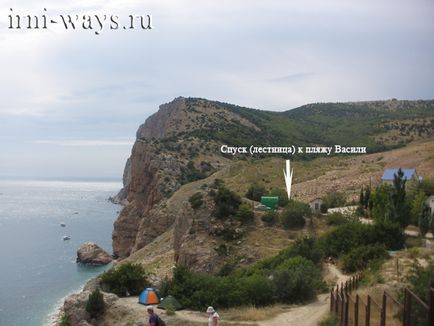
x=92, y=254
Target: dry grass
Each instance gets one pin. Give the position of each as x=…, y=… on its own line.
x=344, y=173
x=251, y=313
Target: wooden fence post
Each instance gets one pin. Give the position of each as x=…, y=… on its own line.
x=407, y=307
x=331, y=300
x=431, y=305
x=368, y=311
x=347, y=303
x=383, y=310
x=356, y=311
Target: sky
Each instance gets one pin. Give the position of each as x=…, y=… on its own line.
x=71, y=101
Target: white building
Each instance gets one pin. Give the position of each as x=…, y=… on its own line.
x=315, y=205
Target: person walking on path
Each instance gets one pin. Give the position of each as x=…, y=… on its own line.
x=213, y=317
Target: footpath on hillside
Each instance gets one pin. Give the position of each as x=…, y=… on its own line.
x=307, y=315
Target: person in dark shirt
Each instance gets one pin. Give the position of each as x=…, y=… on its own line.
x=153, y=318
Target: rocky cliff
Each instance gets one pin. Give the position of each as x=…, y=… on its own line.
x=164, y=157
x=180, y=144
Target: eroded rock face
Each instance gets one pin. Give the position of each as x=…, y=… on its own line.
x=164, y=158
x=92, y=254
x=74, y=307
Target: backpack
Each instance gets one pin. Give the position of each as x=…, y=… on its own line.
x=160, y=322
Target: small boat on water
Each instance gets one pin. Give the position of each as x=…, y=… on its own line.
x=66, y=237
x=62, y=224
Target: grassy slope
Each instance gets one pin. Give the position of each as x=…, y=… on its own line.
x=356, y=124
x=311, y=179
x=344, y=173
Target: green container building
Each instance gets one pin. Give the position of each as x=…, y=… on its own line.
x=270, y=201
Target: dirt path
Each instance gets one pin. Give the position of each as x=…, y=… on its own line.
x=310, y=314
x=306, y=315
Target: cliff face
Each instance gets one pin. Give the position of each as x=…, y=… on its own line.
x=180, y=144
x=160, y=163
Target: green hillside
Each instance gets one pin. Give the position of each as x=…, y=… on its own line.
x=379, y=125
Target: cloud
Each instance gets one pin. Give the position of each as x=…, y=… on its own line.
x=76, y=90
x=291, y=78
x=85, y=143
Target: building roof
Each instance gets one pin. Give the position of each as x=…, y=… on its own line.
x=389, y=174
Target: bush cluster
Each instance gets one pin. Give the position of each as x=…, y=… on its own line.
x=337, y=219
x=359, y=258
x=125, y=279
x=269, y=217
x=255, y=192
x=294, y=214
x=296, y=279
x=196, y=200
x=226, y=202
x=345, y=237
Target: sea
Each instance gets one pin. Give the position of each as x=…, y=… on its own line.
x=37, y=267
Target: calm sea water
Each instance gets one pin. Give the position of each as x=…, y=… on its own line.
x=37, y=268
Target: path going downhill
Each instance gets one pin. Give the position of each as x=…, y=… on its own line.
x=306, y=315
x=310, y=314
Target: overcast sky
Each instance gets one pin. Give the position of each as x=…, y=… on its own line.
x=71, y=102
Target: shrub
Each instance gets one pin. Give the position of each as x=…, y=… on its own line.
x=337, y=219
x=345, y=237
x=226, y=202
x=125, y=279
x=255, y=192
x=306, y=247
x=359, y=258
x=283, y=196
x=63, y=321
x=269, y=217
x=294, y=214
x=196, y=200
x=389, y=234
x=421, y=279
x=330, y=320
x=334, y=199
x=95, y=305
x=244, y=213
x=296, y=280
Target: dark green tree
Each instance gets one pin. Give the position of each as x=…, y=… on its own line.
x=244, y=213
x=126, y=278
x=400, y=207
x=294, y=214
x=367, y=197
x=362, y=200
x=95, y=304
x=255, y=192
x=226, y=202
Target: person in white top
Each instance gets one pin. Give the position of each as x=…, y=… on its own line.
x=213, y=317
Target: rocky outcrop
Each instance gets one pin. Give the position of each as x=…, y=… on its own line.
x=159, y=164
x=74, y=308
x=174, y=147
x=90, y=253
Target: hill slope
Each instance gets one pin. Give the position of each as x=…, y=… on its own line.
x=180, y=144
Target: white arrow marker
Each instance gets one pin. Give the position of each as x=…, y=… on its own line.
x=288, y=177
